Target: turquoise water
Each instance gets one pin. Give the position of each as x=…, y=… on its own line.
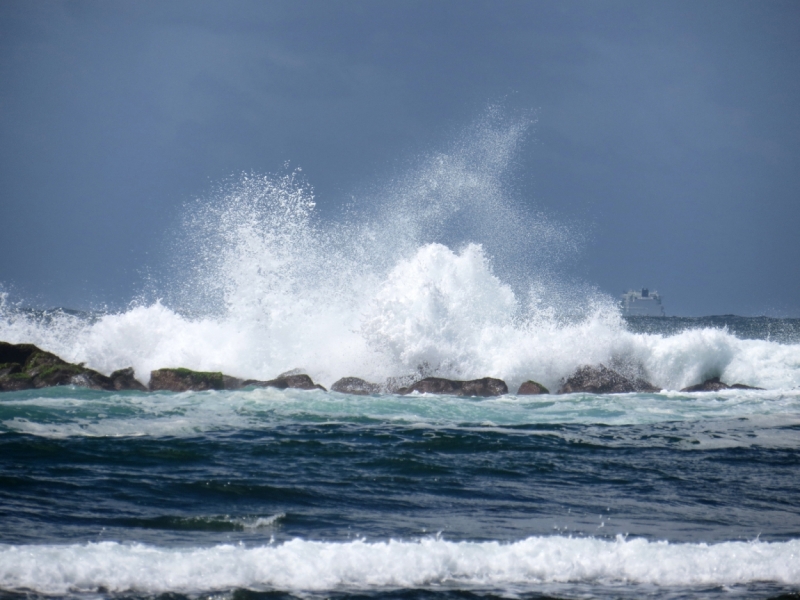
x=315, y=493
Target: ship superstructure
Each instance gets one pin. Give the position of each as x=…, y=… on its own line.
x=641, y=304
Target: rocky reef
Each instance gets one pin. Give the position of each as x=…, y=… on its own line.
x=297, y=381
x=485, y=387
x=602, y=380
x=715, y=385
x=532, y=388
x=184, y=380
x=25, y=366
x=356, y=386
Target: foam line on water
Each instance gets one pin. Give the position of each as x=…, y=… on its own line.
x=306, y=565
x=65, y=412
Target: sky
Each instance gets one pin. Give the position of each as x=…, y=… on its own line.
x=668, y=132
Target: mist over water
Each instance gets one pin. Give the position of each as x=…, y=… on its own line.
x=441, y=271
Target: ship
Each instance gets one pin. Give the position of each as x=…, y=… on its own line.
x=641, y=304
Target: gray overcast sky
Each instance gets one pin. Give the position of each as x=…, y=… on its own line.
x=671, y=129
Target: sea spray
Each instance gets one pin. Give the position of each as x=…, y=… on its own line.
x=443, y=271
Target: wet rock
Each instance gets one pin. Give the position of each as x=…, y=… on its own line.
x=124, y=379
x=354, y=385
x=602, y=380
x=487, y=386
x=433, y=385
x=10, y=369
x=186, y=380
x=397, y=385
x=27, y=366
x=715, y=385
x=532, y=388
x=709, y=385
x=12, y=379
x=16, y=353
x=300, y=382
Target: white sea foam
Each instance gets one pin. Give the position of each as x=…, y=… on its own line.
x=306, y=565
x=440, y=272
x=734, y=418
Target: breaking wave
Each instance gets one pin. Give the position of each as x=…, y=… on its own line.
x=308, y=565
x=443, y=271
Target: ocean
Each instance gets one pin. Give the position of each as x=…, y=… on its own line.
x=263, y=493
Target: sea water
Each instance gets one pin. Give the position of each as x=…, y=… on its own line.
x=266, y=493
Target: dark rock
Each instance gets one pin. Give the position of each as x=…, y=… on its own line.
x=231, y=383
x=38, y=369
x=10, y=369
x=741, y=386
x=398, y=385
x=185, y=380
x=709, y=385
x=282, y=382
x=602, y=380
x=532, y=388
x=354, y=385
x=485, y=387
x=124, y=380
x=434, y=385
x=12, y=379
x=16, y=353
x=715, y=385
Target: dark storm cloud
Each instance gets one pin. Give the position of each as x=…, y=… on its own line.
x=671, y=128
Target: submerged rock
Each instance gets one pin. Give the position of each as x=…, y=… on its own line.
x=25, y=366
x=300, y=382
x=602, y=380
x=356, y=386
x=715, y=385
x=532, y=388
x=487, y=386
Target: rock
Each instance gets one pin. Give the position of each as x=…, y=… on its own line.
x=299, y=382
x=36, y=368
x=433, y=385
x=709, y=385
x=741, y=386
x=485, y=387
x=602, y=380
x=397, y=385
x=715, y=385
x=124, y=379
x=532, y=388
x=10, y=369
x=186, y=380
x=12, y=379
x=231, y=383
x=356, y=386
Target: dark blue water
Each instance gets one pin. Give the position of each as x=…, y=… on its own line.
x=256, y=478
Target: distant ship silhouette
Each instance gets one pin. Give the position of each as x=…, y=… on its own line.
x=641, y=304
